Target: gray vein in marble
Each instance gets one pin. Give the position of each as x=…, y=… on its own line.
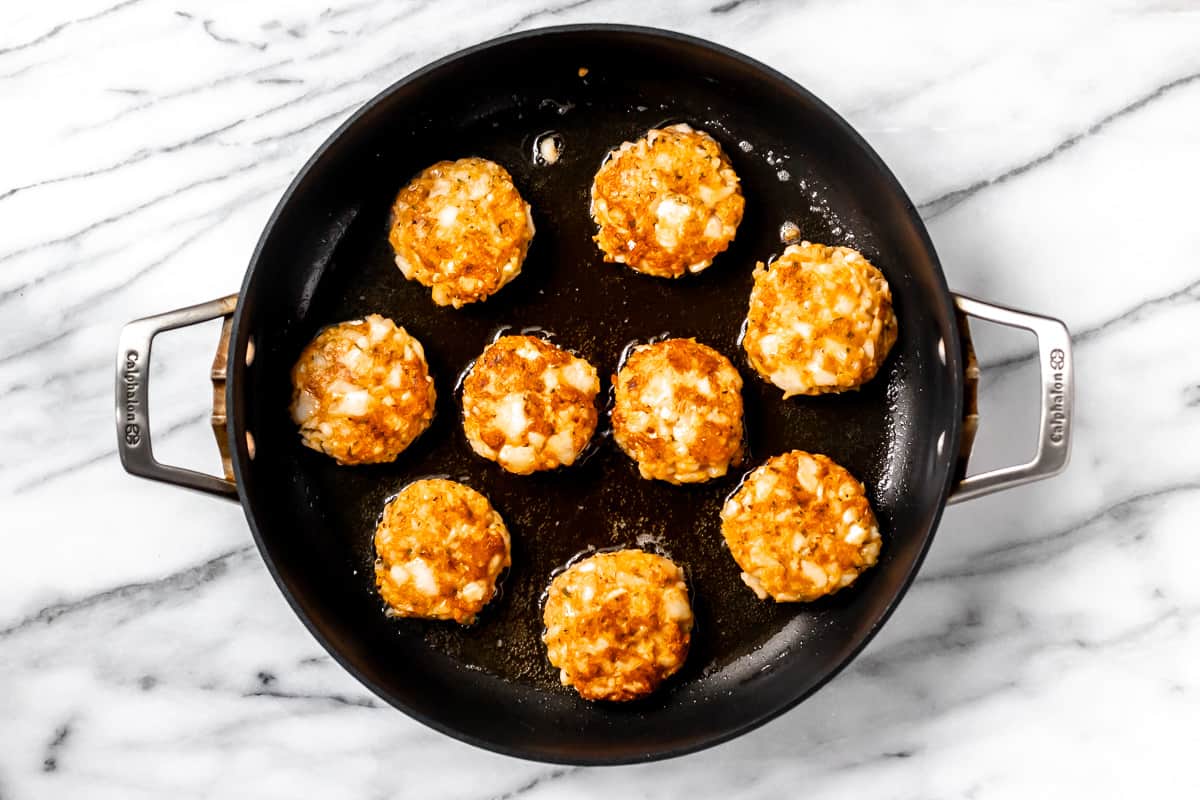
x=964, y=637
x=256, y=717
x=1134, y=633
x=215, y=219
x=549, y=11
x=316, y=55
x=336, y=699
x=892, y=100
x=535, y=782
x=342, y=11
x=19, y=72
x=1189, y=292
x=875, y=757
x=1013, y=555
x=62, y=26
x=962, y=633
x=340, y=113
x=150, y=592
x=64, y=470
x=223, y=212
x=51, y=379
x=901, y=754
x=267, y=689
x=136, y=157
x=45, y=341
x=209, y=26
x=146, y=153
x=61, y=735
x=313, y=661
x=158, y=98
x=934, y=208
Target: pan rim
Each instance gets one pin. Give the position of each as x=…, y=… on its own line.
x=240, y=335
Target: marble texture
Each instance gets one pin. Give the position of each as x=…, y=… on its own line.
x=1051, y=646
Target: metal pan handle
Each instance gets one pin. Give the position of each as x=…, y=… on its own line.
x=1054, y=430
x=133, y=395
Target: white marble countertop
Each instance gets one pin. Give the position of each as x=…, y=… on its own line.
x=1051, y=646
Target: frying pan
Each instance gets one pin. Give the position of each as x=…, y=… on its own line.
x=324, y=258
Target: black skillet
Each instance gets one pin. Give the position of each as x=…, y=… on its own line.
x=324, y=258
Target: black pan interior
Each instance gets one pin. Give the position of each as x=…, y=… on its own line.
x=325, y=258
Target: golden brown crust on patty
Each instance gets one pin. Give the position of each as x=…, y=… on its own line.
x=529, y=405
x=361, y=391
x=618, y=624
x=820, y=320
x=462, y=229
x=440, y=546
x=800, y=527
x=678, y=411
x=668, y=203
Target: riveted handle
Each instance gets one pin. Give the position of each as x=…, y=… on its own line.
x=1057, y=379
x=133, y=395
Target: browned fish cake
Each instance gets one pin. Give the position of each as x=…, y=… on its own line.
x=668, y=203
x=361, y=391
x=800, y=527
x=462, y=229
x=529, y=405
x=820, y=320
x=678, y=411
x=618, y=624
x=439, y=548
